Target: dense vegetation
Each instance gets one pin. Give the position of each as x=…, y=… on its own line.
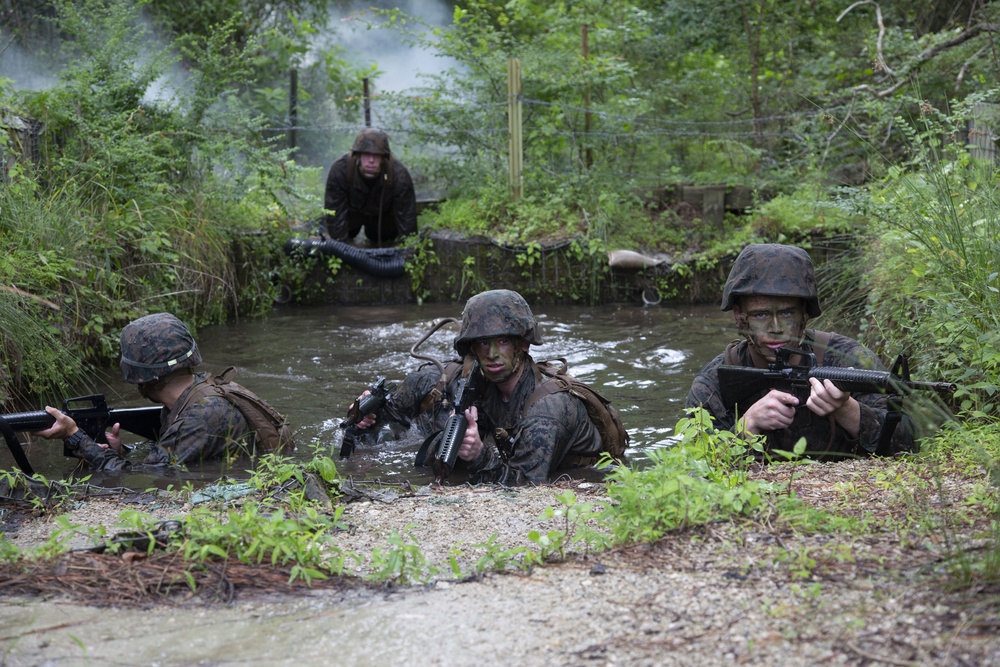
x=842, y=117
x=131, y=200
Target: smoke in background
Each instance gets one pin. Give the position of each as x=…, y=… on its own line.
x=399, y=65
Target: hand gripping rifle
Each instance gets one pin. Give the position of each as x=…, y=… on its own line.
x=742, y=386
x=93, y=417
x=454, y=430
x=377, y=402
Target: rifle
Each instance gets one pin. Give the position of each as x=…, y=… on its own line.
x=740, y=385
x=454, y=430
x=377, y=402
x=93, y=418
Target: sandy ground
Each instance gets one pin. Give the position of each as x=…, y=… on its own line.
x=727, y=593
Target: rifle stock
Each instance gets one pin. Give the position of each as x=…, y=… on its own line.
x=91, y=414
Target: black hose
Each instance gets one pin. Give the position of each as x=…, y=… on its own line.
x=380, y=262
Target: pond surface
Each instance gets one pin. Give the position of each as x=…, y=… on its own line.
x=310, y=363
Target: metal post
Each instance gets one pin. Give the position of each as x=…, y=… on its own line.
x=515, y=143
x=293, y=108
x=588, y=158
x=368, y=104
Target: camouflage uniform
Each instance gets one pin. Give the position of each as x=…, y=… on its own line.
x=786, y=271
x=153, y=347
x=385, y=206
x=532, y=444
x=410, y=394
x=554, y=429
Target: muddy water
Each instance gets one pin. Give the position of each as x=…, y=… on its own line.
x=310, y=363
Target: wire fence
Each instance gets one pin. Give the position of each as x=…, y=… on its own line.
x=563, y=140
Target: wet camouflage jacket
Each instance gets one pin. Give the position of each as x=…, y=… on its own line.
x=203, y=430
x=411, y=392
x=358, y=204
x=554, y=427
x=824, y=439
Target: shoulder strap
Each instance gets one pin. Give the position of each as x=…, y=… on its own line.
x=821, y=340
x=270, y=427
x=730, y=357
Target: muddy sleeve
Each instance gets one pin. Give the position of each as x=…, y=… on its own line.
x=337, y=200
x=705, y=393
x=410, y=393
x=99, y=458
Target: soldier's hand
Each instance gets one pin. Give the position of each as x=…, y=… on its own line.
x=113, y=438
x=825, y=398
x=773, y=412
x=368, y=419
x=64, y=426
x=472, y=444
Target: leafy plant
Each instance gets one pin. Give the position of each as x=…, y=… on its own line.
x=701, y=478
x=403, y=562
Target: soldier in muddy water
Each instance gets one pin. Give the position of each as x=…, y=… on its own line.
x=511, y=438
x=771, y=291
x=197, y=423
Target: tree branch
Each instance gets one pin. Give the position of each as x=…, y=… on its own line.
x=879, y=58
x=926, y=55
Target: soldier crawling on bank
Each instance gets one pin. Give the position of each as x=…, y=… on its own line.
x=772, y=292
x=525, y=426
x=369, y=188
x=200, y=420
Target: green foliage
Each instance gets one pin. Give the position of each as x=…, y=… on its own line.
x=932, y=277
x=403, y=562
x=419, y=258
x=573, y=516
x=134, y=205
x=807, y=210
x=701, y=478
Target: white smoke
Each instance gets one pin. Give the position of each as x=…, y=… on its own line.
x=27, y=71
x=399, y=64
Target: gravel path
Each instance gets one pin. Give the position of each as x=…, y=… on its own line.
x=727, y=593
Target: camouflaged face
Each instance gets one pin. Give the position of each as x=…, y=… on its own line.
x=155, y=345
x=771, y=269
x=496, y=313
x=371, y=140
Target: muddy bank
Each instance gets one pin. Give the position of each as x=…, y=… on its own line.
x=752, y=592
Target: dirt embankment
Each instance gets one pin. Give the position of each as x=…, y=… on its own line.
x=750, y=592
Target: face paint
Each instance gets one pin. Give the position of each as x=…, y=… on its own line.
x=500, y=357
x=771, y=322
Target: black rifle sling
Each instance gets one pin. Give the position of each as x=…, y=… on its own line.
x=14, y=445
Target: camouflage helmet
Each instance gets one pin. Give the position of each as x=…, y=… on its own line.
x=371, y=140
x=499, y=312
x=154, y=346
x=770, y=269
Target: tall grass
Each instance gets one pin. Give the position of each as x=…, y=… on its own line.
x=929, y=278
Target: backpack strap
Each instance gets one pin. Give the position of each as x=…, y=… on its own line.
x=730, y=357
x=821, y=341
x=438, y=391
